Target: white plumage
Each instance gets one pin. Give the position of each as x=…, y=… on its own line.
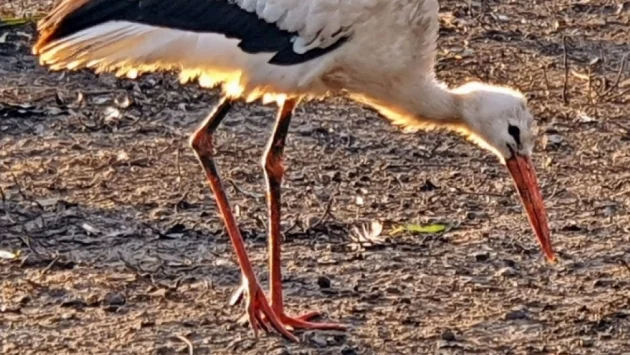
x=131, y=48
x=379, y=52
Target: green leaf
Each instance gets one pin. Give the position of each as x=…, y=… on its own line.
x=418, y=228
x=10, y=22
x=18, y=21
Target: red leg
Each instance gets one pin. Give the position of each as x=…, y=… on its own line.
x=274, y=171
x=257, y=305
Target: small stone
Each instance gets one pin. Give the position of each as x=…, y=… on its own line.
x=67, y=316
x=280, y=351
x=506, y=272
x=10, y=309
x=92, y=300
x=551, y=141
x=473, y=215
x=443, y=344
x=448, y=335
x=482, y=256
x=320, y=340
x=587, y=343
x=428, y=186
x=323, y=282
x=393, y=290
x=347, y=350
x=516, y=314
x=603, y=283
x=74, y=303
x=404, y=300
x=113, y=301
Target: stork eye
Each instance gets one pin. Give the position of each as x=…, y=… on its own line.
x=515, y=132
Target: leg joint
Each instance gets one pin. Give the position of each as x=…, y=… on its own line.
x=202, y=142
x=272, y=163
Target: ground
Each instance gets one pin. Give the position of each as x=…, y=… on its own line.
x=122, y=251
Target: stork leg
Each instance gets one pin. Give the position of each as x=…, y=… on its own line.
x=274, y=171
x=257, y=306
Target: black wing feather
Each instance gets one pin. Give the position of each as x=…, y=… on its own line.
x=214, y=16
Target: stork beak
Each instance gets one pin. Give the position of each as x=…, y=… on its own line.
x=522, y=171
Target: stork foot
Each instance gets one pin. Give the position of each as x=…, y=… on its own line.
x=289, y=323
x=302, y=322
x=260, y=314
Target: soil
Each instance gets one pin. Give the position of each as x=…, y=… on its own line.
x=121, y=250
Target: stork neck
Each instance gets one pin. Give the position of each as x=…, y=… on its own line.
x=413, y=102
x=430, y=100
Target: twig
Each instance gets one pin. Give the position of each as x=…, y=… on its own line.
x=41, y=216
x=184, y=196
x=565, y=86
x=241, y=191
x=617, y=77
x=179, y=170
x=627, y=129
x=326, y=213
x=26, y=240
x=623, y=93
x=624, y=263
x=50, y=265
x=191, y=349
x=590, y=85
x=490, y=194
x=19, y=187
x=4, y=199
x=624, y=192
x=546, y=77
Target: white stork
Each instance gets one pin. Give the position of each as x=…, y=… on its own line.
x=379, y=52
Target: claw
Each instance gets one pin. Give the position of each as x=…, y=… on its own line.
x=261, y=323
x=259, y=313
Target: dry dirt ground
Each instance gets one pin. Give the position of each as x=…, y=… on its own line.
x=122, y=251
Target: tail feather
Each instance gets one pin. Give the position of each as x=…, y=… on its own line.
x=72, y=16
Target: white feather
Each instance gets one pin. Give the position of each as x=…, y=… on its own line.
x=131, y=48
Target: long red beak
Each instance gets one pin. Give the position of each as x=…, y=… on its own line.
x=522, y=171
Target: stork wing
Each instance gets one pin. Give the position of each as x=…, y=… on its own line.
x=240, y=41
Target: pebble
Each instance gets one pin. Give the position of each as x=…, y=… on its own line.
x=448, y=335
x=113, y=301
x=347, y=350
x=74, y=302
x=587, y=343
x=393, y=290
x=482, y=256
x=324, y=282
x=551, y=141
x=280, y=351
x=320, y=340
x=603, y=283
x=506, y=272
x=516, y=314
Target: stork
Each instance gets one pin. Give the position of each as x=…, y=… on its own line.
x=380, y=53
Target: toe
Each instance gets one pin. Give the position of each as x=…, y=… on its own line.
x=308, y=316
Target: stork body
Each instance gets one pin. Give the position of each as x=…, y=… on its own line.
x=380, y=52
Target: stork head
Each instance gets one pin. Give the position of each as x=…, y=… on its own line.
x=498, y=119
